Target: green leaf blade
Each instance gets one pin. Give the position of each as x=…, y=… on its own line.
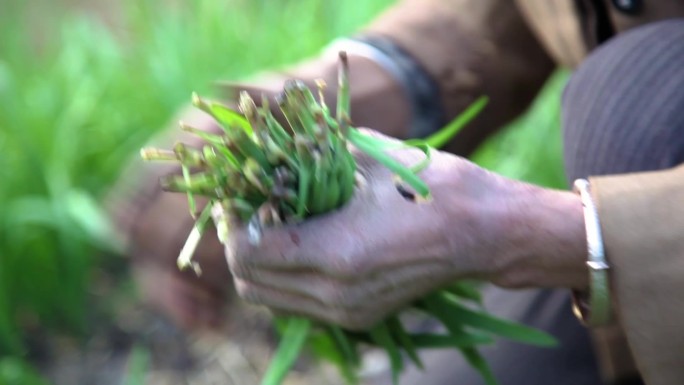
x=292, y=342
x=500, y=327
x=443, y=136
x=477, y=361
x=404, y=339
x=362, y=142
x=439, y=341
x=382, y=336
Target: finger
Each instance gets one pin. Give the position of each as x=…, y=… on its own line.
x=188, y=304
x=353, y=318
x=265, y=83
x=337, y=244
x=314, y=244
x=353, y=292
x=289, y=304
x=195, y=306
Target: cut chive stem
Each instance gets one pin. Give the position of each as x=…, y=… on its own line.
x=265, y=174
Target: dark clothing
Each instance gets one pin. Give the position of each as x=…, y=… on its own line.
x=623, y=111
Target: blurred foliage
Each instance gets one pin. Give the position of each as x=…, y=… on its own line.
x=138, y=364
x=78, y=97
x=530, y=148
x=16, y=372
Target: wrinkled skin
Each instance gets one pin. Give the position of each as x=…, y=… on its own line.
x=379, y=252
x=199, y=302
x=375, y=254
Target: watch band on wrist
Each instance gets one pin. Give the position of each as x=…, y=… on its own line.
x=427, y=111
x=593, y=308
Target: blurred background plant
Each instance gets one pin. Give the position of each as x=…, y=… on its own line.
x=84, y=84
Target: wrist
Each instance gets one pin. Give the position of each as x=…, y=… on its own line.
x=544, y=240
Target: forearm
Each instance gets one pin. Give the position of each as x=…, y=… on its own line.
x=470, y=48
x=462, y=49
x=545, y=241
x=527, y=236
x=540, y=241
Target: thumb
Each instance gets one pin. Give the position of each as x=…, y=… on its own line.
x=268, y=84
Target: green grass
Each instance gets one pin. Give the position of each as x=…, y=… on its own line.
x=15, y=371
x=530, y=147
x=78, y=99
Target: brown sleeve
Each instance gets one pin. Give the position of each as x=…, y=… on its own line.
x=642, y=220
x=471, y=48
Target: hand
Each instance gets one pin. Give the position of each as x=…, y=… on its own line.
x=378, y=253
x=157, y=223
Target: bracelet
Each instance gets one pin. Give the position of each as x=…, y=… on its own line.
x=421, y=89
x=592, y=309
